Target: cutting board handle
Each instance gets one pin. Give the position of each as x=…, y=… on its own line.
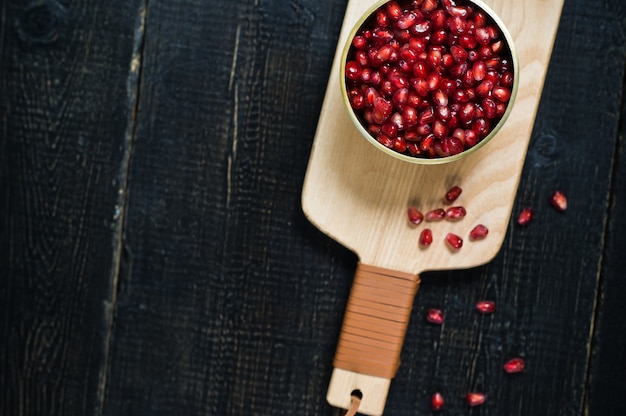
x=375, y=321
x=372, y=335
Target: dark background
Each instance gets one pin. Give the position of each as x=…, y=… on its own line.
x=154, y=258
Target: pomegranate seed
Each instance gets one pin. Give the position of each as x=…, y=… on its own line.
x=394, y=11
x=353, y=70
x=502, y=94
x=486, y=306
x=558, y=200
x=453, y=193
x=435, y=316
x=436, y=401
x=436, y=215
x=475, y=398
x=525, y=216
x=455, y=213
x=479, y=232
x=426, y=237
x=415, y=217
x=514, y=365
x=454, y=241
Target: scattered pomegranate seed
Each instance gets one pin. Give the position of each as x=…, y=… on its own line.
x=451, y=65
x=475, y=398
x=436, y=401
x=426, y=237
x=525, y=216
x=454, y=192
x=455, y=213
x=434, y=316
x=558, y=200
x=436, y=215
x=454, y=241
x=415, y=217
x=514, y=365
x=486, y=306
x=479, y=232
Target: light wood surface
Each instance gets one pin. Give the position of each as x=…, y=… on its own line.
x=358, y=195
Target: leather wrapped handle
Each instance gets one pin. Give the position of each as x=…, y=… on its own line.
x=375, y=321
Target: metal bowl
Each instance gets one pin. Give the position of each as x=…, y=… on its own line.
x=509, y=45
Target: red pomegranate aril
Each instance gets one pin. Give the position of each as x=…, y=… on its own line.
x=486, y=306
x=427, y=116
x=525, y=216
x=453, y=193
x=475, y=398
x=455, y=213
x=394, y=11
x=490, y=108
x=444, y=114
x=482, y=35
x=382, y=19
x=389, y=129
x=435, y=316
x=468, y=41
x=484, y=88
x=426, y=145
x=385, y=140
x=406, y=20
x=401, y=96
x=436, y=215
x=440, y=130
x=457, y=25
x=454, y=241
x=440, y=98
x=399, y=144
x=409, y=115
x=353, y=70
x=359, y=42
x=415, y=216
x=437, y=402
x=514, y=365
x=454, y=145
x=467, y=112
x=506, y=79
x=481, y=127
x=558, y=200
x=479, y=70
x=458, y=53
x=426, y=237
x=471, y=139
x=433, y=81
x=479, y=232
x=500, y=93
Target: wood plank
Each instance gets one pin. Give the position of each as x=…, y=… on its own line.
x=66, y=95
x=606, y=386
x=230, y=292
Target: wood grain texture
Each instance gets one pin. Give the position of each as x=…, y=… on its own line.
x=65, y=112
x=229, y=292
x=230, y=302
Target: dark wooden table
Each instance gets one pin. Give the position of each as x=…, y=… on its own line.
x=154, y=258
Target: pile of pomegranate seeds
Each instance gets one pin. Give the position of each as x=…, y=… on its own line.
x=429, y=78
x=456, y=213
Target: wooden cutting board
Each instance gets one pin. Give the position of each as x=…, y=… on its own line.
x=359, y=196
